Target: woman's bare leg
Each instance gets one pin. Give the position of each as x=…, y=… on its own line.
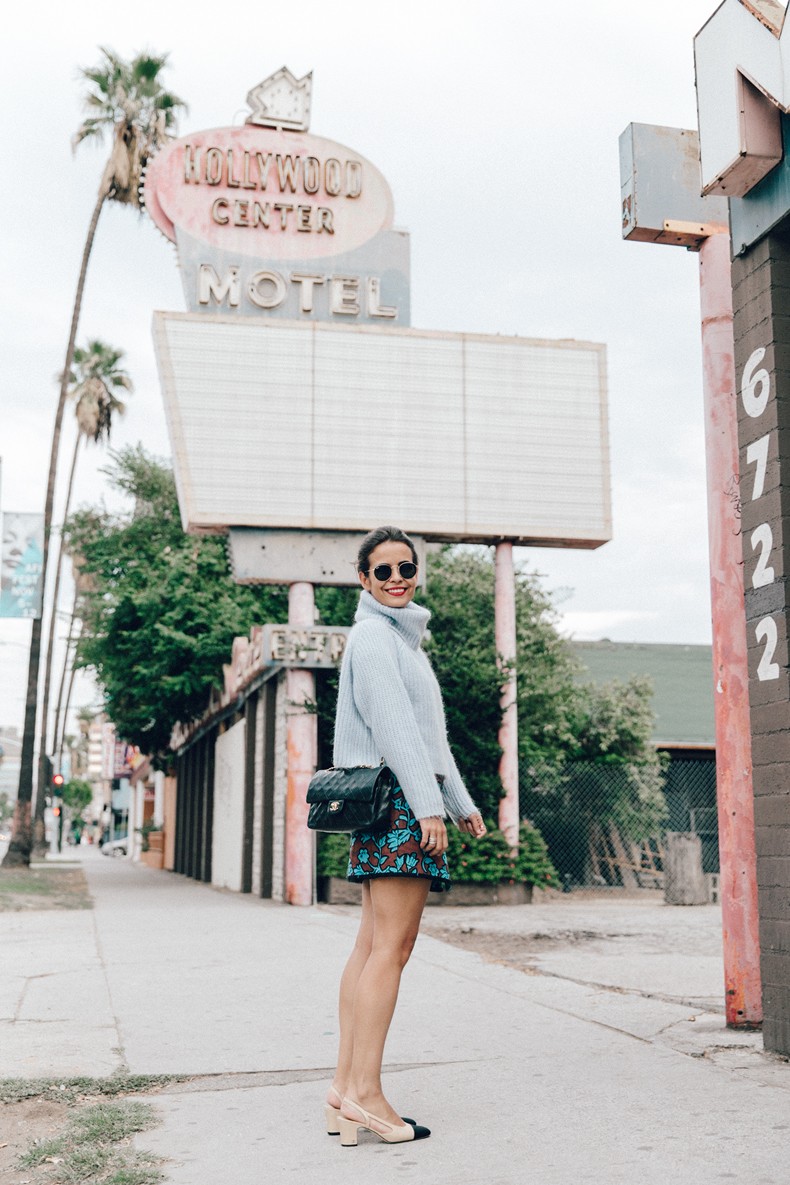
x=348, y=986
x=397, y=905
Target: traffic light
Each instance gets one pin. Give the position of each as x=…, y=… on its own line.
x=56, y=811
x=57, y=783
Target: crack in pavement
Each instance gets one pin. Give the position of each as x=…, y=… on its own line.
x=704, y=1004
x=681, y=1001
x=252, y=1079
x=118, y=1049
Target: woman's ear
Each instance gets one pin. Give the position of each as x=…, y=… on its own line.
x=364, y=580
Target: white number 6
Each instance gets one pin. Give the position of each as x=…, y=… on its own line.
x=755, y=385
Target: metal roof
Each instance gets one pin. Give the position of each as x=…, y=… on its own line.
x=682, y=679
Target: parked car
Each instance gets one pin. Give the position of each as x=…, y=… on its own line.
x=115, y=847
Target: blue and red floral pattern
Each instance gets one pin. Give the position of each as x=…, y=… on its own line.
x=397, y=851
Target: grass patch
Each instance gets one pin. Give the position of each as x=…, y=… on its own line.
x=43, y=888
x=94, y=1147
x=74, y=1090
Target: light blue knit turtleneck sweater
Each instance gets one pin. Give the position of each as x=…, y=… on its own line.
x=389, y=706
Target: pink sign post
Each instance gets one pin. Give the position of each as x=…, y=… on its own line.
x=301, y=745
x=660, y=179
x=505, y=631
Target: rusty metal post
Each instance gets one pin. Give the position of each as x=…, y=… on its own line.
x=505, y=635
x=302, y=749
x=743, y=1004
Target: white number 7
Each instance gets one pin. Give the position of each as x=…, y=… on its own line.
x=757, y=454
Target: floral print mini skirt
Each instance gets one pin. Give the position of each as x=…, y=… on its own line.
x=396, y=851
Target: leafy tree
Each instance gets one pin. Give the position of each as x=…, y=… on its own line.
x=612, y=776
x=585, y=752
x=460, y=595
x=127, y=100
x=77, y=795
x=160, y=607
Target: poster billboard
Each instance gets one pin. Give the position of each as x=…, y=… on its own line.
x=21, y=565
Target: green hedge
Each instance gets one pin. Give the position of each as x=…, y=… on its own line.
x=486, y=861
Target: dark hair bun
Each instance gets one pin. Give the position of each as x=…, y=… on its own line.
x=382, y=535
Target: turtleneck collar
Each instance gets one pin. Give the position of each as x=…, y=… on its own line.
x=410, y=621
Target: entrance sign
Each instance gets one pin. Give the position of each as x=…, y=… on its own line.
x=333, y=427
x=318, y=648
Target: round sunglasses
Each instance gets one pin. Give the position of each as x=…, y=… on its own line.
x=383, y=572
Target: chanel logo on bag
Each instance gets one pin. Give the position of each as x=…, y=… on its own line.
x=335, y=806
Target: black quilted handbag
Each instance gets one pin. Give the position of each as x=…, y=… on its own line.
x=356, y=799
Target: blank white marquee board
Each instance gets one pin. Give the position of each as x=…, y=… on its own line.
x=340, y=428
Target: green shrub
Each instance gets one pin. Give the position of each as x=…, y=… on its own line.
x=489, y=861
x=486, y=861
x=332, y=859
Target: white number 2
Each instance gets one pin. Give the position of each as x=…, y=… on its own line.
x=763, y=538
x=767, y=668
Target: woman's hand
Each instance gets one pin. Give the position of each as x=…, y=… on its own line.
x=434, y=835
x=474, y=825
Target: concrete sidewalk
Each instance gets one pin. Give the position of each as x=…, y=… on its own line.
x=533, y=1074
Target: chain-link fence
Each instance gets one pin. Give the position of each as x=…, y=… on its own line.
x=604, y=823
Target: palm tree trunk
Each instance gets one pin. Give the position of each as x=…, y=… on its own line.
x=39, y=845
x=69, y=643
x=22, y=837
x=21, y=830
x=68, y=698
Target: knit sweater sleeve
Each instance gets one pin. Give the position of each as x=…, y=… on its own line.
x=383, y=703
x=458, y=801
x=456, y=796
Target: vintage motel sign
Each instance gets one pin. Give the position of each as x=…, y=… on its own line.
x=269, y=220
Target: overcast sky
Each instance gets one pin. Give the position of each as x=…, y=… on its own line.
x=496, y=125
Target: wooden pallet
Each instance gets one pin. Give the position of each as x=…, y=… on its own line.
x=632, y=865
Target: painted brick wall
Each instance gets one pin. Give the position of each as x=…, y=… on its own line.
x=761, y=300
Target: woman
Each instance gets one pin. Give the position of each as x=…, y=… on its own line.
x=389, y=708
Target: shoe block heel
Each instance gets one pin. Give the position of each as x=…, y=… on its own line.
x=348, y=1132
x=332, y=1114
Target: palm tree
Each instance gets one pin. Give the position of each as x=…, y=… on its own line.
x=95, y=377
x=127, y=101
